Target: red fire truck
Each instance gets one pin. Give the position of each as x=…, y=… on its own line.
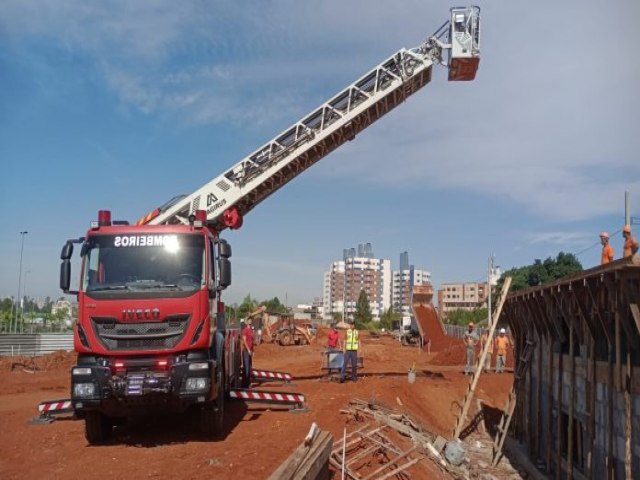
x=151, y=332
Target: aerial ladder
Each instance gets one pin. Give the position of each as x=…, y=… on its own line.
x=131, y=341
x=231, y=195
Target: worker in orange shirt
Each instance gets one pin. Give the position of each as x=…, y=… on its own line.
x=502, y=345
x=607, y=249
x=630, y=243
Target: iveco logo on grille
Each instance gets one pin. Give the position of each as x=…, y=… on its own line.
x=140, y=313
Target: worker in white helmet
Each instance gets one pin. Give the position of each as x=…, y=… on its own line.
x=607, y=250
x=502, y=345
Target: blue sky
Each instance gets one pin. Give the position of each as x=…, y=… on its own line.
x=121, y=105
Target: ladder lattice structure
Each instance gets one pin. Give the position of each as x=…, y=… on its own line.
x=229, y=196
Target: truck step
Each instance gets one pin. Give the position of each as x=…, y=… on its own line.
x=266, y=375
x=264, y=396
x=49, y=408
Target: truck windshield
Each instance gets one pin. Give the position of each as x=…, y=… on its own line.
x=144, y=262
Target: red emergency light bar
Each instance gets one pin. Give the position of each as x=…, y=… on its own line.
x=104, y=218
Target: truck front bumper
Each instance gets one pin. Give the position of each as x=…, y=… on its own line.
x=127, y=388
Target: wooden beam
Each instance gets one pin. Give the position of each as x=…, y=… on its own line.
x=596, y=309
x=306, y=462
x=391, y=462
x=572, y=399
x=583, y=311
x=635, y=313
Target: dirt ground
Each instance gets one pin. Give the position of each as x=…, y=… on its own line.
x=257, y=438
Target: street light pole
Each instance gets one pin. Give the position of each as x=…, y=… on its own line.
x=19, y=280
x=24, y=295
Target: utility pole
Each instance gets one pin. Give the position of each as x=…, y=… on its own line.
x=627, y=209
x=489, y=284
x=19, y=299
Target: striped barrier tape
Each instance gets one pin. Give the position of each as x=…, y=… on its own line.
x=55, y=406
x=285, y=398
x=266, y=374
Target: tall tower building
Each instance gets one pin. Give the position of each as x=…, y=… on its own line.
x=357, y=271
x=403, y=283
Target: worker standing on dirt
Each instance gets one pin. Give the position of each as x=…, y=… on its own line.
x=630, y=246
x=470, y=339
x=351, y=346
x=502, y=345
x=247, y=353
x=484, y=338
x=334, y=344
x=333, y=339
x=607, y=250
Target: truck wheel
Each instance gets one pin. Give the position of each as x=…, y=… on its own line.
x=97, y=427
x=212, y=415
x=285, y=338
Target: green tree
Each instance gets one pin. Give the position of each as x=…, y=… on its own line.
x=463, y=317
x=274, y=306
x=387, y=318
x=247, y=306
x=541, y=272
x=363, y=310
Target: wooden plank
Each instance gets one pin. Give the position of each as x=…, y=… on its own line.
x=635, y=313
x=315, y=464
x=483, y=356
x=396, y=471
x=549, y=437
x=306, y=462
x=395, y=460
x=591, y=384
x=559, y=417
x=628, y=430
x=572, y=398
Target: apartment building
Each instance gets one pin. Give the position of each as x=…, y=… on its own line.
x=464, y=296
x=358, y=270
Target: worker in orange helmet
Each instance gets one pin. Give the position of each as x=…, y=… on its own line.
x=630, y=246
x=470, y=339
x=607, y=250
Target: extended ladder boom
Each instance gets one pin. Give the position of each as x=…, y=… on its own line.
x=229, y=196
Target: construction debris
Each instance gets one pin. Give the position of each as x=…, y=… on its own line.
x=310, y=460
x=389, y=443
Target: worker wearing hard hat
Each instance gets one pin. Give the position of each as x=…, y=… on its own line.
x=630, y=246
x=607, y=250
x=470, y=339
x=502, y=345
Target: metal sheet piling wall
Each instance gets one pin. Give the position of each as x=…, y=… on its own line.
x=580, y=416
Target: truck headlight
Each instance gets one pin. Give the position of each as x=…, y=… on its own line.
x=81, y=371
x=198, y=366
x=83, y=390
x=197, y=383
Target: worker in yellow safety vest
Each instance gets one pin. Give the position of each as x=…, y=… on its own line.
x=351, y=345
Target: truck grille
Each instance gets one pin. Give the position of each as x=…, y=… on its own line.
x=117, y=335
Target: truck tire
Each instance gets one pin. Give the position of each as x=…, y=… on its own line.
x=285, y=338
x=97, y=427
x=212, y=414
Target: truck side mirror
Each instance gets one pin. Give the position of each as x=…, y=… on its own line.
x=67, y=251
x=224, y=273
x=65, y=274
x=224, y=248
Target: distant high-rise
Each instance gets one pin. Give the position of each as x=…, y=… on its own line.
x=345, y=279
x=403, y=282
x=404, y=261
